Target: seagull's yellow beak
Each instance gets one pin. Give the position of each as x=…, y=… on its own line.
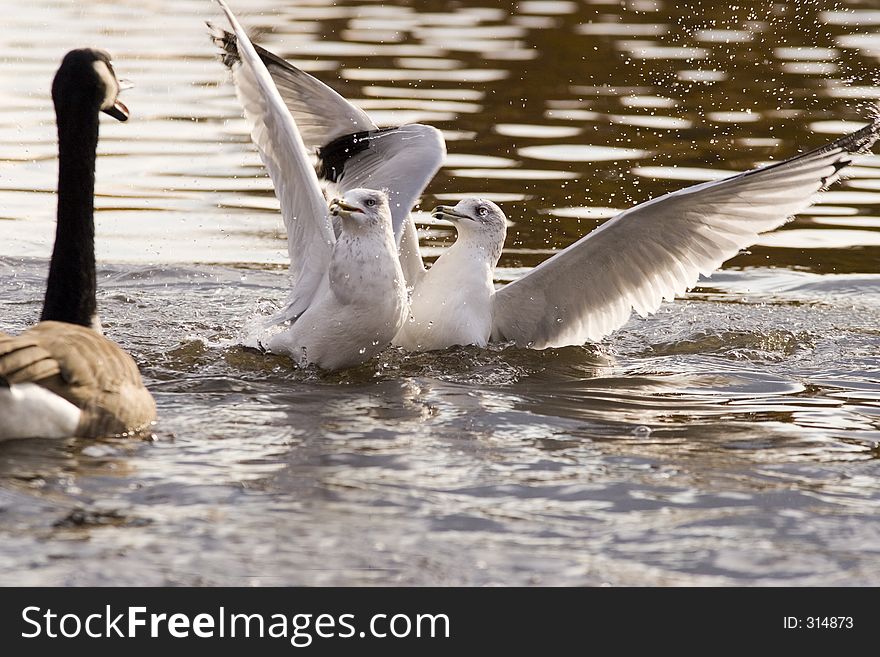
x=448, y=213
x=338, y=207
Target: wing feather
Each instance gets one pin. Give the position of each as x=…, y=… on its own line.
x=658, y=249
x=85, y=368
x=321, y=114
x=352, y=151
x=277, y=137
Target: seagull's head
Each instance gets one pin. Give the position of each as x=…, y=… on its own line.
x=362, y=208
x=475, y=217
x=86, y=76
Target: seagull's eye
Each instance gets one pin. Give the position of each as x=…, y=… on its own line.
x=482, y=211
x=370, y=202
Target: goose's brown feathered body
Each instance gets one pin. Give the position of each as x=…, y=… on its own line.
x=83, y=367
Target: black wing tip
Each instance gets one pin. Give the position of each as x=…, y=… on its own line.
x=861, y=140
x=854, y=143
x=333, y=156
x=838, y=165
x=227, y=43
x=4, y=383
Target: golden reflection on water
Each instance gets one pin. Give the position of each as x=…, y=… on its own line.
x=549, y=88
x=732, y=438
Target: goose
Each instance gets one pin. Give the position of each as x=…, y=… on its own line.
x=349, y=297
x=62, y=377
x=645, y=255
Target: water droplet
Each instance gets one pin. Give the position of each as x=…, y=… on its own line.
x=362, y=350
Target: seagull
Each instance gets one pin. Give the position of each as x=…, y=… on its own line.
x=349, y=296
x=349, y=149
x=62, y=377
x=649, y=253
x=361, y=300
x=645, y=255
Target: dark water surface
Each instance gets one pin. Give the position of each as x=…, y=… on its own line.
x=733, y=438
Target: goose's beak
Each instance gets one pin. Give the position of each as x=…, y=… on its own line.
x=340, y=208
x=119, y=111
x=447, y=213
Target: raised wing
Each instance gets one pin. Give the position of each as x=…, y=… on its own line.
x=657, y=250
x=303, y=207
x=321, y=114
x=351, y=150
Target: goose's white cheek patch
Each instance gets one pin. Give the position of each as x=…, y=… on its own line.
x=111, y=86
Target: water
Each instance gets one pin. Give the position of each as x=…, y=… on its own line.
x=730, y=439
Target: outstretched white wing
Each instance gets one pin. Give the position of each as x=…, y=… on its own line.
x=277, y=137
x=352, y=151
x=658, y=249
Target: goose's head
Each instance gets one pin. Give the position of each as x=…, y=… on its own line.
x=476, y=218
x=362, y=208
x=86, y=77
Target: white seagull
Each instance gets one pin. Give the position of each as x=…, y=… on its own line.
x=349, y=295
x=634, y=261
x=350, y=149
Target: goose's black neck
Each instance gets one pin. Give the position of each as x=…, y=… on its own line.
x=70, y=290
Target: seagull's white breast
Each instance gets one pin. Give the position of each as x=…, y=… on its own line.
x=357, y=310
x=452, y=304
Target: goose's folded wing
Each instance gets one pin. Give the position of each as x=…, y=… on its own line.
x=85, y=368
x=277, y=137
x=657, y=250
x=24, y=360
x=97, y=376
x=351, y=150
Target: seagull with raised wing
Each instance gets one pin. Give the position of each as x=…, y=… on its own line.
x=349, y=149
x=634, y=261
x=349, y=297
